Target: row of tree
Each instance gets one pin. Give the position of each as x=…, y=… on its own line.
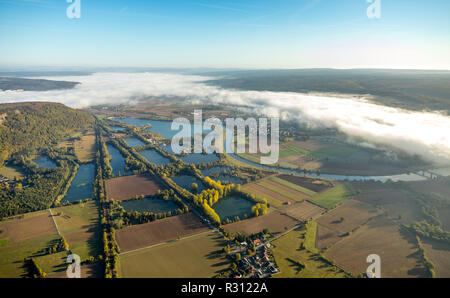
x=110, y=247
x=58, y=246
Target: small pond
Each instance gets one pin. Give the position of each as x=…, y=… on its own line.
x=82, y=185
x=134, y=142
x=154, y=205
x=222, y=174
x=185, y=181
x=154, y=157
x=199, y=158
x=233, y=206
x=117, y=161
x=44, y=162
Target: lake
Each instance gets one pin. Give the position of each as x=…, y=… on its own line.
x=199, y=158
x=82, y=185
x=233, y=206
x=164, y=128
x=224, y=175
x=161, y=126
x=44, y=162
x=134, y=142
x=133, y=121
x=193, y=158
x=185, y=181
x=117, y=161
x=154, y=205
x=154, y=157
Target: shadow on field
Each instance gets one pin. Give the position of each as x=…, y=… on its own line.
x=94, y=243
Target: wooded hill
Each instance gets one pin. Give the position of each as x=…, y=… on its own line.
x=26, y=128
x=8, y=83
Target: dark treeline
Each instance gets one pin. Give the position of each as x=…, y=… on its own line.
x=111, y=249
x=35, y=271
x=9, y=83
x=58, y=246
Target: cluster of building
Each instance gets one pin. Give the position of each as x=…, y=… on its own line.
x=258, y=265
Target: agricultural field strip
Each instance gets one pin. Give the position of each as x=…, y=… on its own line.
x=297, y=149
x=275, y=193
x=311, y=236
x=248, y=157
x=251, y=188
x=262, y=192
x=137, y=185
x=337, y=229
x=248, y=226
x=278, y=191
x=372, y=226
x=199, y=256
x=165, y=222
x=283, y=190
x=302, y=208
x=331, y=198
x=287, y=231
x=293, y=186
x=166, y=242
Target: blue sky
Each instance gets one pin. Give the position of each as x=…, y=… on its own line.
x=229, y=33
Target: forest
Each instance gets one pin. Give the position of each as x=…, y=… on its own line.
x=26, y=128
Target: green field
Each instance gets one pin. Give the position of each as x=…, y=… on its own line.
x=286, y=150
x=277, y=191
x=332, y=197
x=310, y=237
x=249, y=157
x=293, y=186
x=288, y=254
x=79, y=224
x=337, y=152
x=234, y=162
x=199, y=256
x=12, y=255
x=10, y=172
x=295, y=149
x=53, y=263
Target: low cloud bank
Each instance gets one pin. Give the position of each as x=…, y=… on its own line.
x=423, y=133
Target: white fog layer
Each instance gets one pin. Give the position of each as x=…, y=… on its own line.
x=423, y=133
